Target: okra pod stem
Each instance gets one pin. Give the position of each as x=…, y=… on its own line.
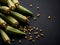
x=16, y=2
x=5, y=37
x=23, y=10
x=14, y=31
x=4, y=9
x=2, y=23
x=19, y=16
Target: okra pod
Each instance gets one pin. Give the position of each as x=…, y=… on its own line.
x=6, y=19
x=4, y=9
x=9, y=3
x=16, y=2
x=5, y=37
x=14, y=31
x=2, y=23
x=19, y=16
x=13, y=21
x=23, y=10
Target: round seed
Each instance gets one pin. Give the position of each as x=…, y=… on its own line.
x=49, y=17
x=38, y=36
x=34, y=28
x=35, y=18
x=25, y=37
x=35, y=33
x=38, y=15
x=37, y=28
x=30, y=5
x=38, y=7
x=30, y=39
x=33, y=41
x=41, y=34
x=29, y=33
x=30, y=36
x=41, y=30
x=19, y=41
x=13, y=40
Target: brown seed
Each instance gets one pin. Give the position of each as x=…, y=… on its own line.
x=33, y=40
x=35, y=18
x=41, y=30
x=35, y=33
x=30, y=5
x=30, y=27
x=37, y=28
x=19, y=41
x=25, y=37
x=41, y=34
x=49, y=17
x=38, y=7
x=38, y=36
x=13, y=40
x=30, y=38
x=34, y=28
x=38, y=15
x=29, y=33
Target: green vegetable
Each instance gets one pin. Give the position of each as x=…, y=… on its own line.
x=5, y=37
x=2, y=23
x=16, y=2
x=19, y=16
x=23, y=10
x=14, y=31
x=13, y=21
x=6, y=19
x=4, y=9
x=9, y=3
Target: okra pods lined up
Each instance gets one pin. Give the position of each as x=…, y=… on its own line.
x=2, y=23
x=19, y=16
x=23, y=10
x=5, y=37
x=14, y=31
x=6, y=19
x=4, y=9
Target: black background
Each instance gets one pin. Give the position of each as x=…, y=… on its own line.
x=50, y=27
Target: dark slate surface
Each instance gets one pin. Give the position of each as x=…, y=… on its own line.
x=50, y=28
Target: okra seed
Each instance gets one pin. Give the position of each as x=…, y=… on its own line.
x=30, y=38
x=29, y=33
x=33, y=41
x=35, y=33
x=41, y=34
x=49, y=17
x=41, y=30
x=37, y=28
x=34, y=27
x=38, y=7
x=25, y=37
x=38, y=36
x=30, y=5
x=38, y=15
x=13, y=40
x=34, y=18
x=19, y=41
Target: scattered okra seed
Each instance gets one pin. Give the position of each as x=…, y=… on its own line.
x=49, y=17
x=35, y=18
x=38, y=36
x=29, y=33
x=13, y=40
x=41, y=34
x=19, y=41
x=30, y=38
x=37, y=28
x=41, y=30
x=38, y=15
x=25, y=37
x=33, y=40
x=35, y=33
x=30, y=5
x=34, y=28
x=38, y=7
